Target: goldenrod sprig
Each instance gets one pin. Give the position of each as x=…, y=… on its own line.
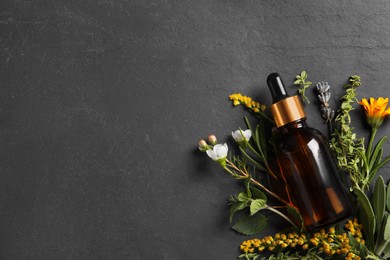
x=250, y=104
x=333, y=242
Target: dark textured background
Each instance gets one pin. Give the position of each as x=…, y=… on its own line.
x=102, y=103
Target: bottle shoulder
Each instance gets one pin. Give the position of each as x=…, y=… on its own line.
x=301, y=137
x=303, y=131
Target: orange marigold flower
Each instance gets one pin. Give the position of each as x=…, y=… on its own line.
x=375, y=110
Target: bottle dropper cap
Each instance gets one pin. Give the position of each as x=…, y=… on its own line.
x=285, y=109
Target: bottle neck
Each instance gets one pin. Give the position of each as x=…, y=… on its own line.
x=300, y=123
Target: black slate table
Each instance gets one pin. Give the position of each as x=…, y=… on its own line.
x=102, y=103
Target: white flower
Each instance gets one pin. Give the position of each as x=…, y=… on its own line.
x=218, y=153
x=241, y=135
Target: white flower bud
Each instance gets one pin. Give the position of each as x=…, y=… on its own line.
x=203, y=146
x=240, y=135
x=212, y=139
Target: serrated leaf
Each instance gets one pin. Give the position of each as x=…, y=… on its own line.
x=250, y=225
x=367, y=217
x=379, y=201
x=295, y=216
x=243, y=196
x=257, y=205
x=237, y=206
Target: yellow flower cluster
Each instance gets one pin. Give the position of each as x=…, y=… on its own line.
x=279, y=240
x=248, y=102
x=329, y=243
x=355, y=229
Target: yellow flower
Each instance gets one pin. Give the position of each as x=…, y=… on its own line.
x=375, y=110
x=248, y=102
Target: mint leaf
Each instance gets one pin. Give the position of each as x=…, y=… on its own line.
x=243, y=196
x=250, y=225
x=258, y=194
x=257, y=205
x=295, y=217
x=236, y=206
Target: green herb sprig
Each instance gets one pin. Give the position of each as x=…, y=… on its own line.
x=349, y=149
x=301, y=80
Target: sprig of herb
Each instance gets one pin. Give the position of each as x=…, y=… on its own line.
x=301, y=80
x=327, y=112
x=348, y=148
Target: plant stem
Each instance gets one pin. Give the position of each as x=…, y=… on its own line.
x=382, y=247
x=369, y=147
x=330, y=129
x=368, y=156
x=282, y=215
x=244, y=174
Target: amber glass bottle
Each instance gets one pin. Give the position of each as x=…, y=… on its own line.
x=306, y=163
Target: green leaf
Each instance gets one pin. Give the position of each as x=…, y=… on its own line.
x=261, y=141
x=388, y=197
x=352, y=241
x=379, y=201
x=295, y=217
x=247, y=186
x=250, y=225
x=297, y=82
x=243, y=196
x=386, y=232
x=258, y=194
x=236, y=206
x=255, y=163
x=383, y=163
x=367, y=217
x=376, y=151
x=386, y=251
x=362, y=251
x=379, y=236
x=257, y=205
x=303, y=74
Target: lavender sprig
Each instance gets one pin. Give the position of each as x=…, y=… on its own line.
x=327, y=112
